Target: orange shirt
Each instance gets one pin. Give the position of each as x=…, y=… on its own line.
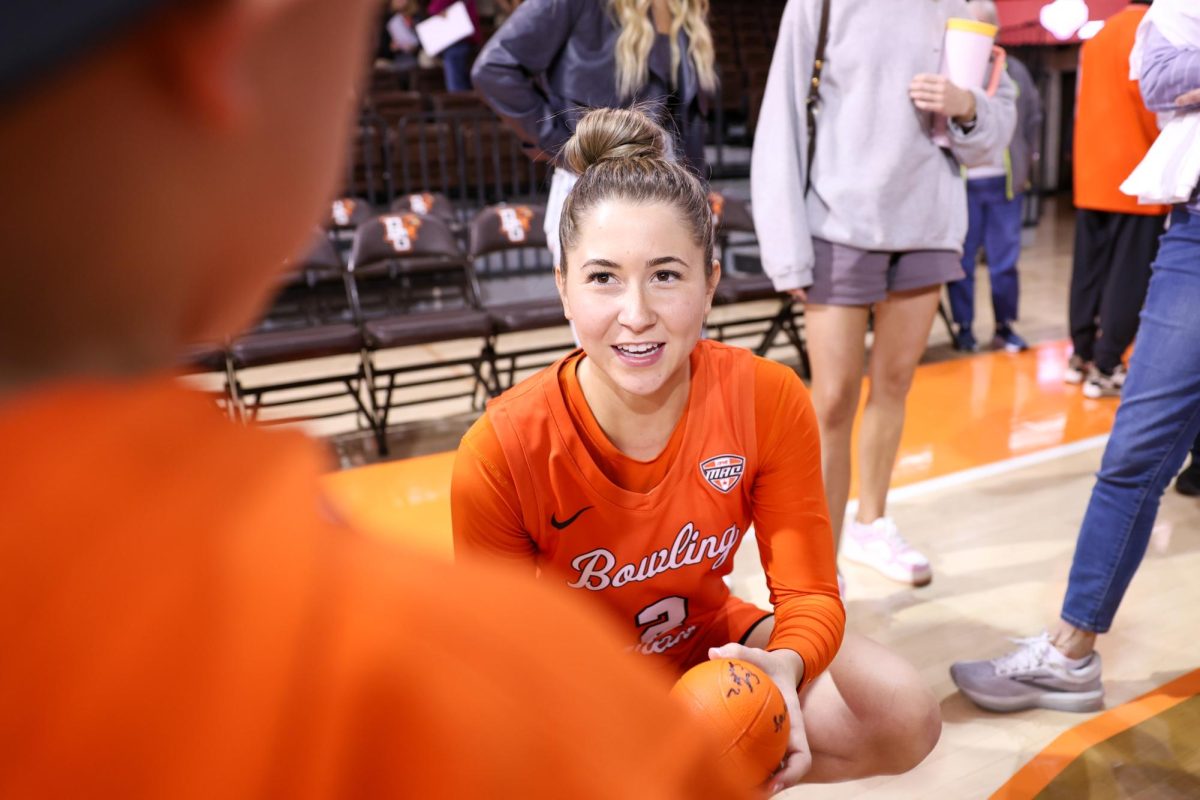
x=537, y=482
x=1113, y=127
x=182, y=617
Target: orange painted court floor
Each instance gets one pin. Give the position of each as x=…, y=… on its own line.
x=963, y=413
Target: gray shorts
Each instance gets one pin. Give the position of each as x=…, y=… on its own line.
x=847, y=276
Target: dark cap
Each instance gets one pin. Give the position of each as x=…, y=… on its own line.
x=38, y=35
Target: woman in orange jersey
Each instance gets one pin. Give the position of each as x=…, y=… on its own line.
x=631, y=470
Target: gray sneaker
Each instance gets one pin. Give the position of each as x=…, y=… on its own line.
x=1032, y=676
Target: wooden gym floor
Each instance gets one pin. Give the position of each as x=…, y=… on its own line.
x=992, y=480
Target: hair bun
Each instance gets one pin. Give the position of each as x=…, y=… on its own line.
x=613, y=133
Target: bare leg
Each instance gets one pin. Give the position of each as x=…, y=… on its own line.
x=836, y=346
x=868, y=714
x=902, y=324
x=1072, y=642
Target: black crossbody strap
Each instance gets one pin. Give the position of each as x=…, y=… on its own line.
x=814, y=92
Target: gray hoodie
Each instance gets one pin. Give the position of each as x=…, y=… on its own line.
x=879, y=182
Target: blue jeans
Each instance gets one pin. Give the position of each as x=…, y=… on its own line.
x=1155, y=427
x=993, y=223
x=456, y=65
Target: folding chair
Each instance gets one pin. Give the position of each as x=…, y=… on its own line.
x=732, y=215
x=410, y=285
x=333, y=332
x=514, y=274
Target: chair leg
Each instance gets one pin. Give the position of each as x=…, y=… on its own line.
x=237, y=411
x=378, y=419
x=512, y=372
x=797, y=339
x=777, y=325
x=945, y=315
x=491, y=381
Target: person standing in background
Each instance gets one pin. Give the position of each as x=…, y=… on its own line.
x=1115, y=237
x=874, y=228
x=402, y=42
x=995, y=204
x=555, y=59
x=456, y=59
x=1156, y=423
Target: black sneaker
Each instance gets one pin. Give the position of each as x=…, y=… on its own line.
x=1188, y=482
x=964, y=341
x=1006, y=339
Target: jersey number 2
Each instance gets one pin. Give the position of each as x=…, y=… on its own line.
x=662, y=616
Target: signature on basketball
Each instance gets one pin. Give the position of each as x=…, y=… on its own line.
x=742, y=678
x=779, y=719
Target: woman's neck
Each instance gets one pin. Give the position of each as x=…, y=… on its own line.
x=661, y=13
x=638, y=426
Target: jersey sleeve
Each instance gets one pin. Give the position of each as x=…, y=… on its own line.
x=484, y=508
x=791, y=521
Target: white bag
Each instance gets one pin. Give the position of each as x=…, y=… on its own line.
x=1169, y=172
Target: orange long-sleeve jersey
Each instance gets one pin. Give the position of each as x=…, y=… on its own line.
x=183, y=617
x=536, y=482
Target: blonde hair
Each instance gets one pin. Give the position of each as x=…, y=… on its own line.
x=620, y=153
x=637, y=37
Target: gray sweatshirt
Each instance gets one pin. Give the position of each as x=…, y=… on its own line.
x=879, y=182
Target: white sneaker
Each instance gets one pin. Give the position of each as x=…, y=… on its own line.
x=1076, y=371
x=880, y=546
x=1035, y=675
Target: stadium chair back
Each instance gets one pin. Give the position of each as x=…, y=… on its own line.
x=507, y=227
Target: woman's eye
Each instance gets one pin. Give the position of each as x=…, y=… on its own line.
x=601, y=278
x=666, y=276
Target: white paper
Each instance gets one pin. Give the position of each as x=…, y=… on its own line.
x=442, y=30
x=401, y=33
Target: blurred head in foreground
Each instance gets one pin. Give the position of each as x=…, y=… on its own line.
x=158, y=162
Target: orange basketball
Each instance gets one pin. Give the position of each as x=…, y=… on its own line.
x=744, y=712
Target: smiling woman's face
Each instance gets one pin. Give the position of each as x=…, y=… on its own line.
x=634, y=284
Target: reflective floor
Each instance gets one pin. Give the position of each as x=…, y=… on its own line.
x=994, y=471
x=962, y=414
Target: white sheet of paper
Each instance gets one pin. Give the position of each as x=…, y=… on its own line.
x=442, y=30
x=401, y=34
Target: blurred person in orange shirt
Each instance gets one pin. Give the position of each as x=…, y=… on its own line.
x=1116, y=238
x=181, y=613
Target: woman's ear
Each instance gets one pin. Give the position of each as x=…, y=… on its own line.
x=714, y=277
x=560, y=281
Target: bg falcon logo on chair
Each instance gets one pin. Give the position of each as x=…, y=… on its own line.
x=514, y=222
x=723, y=472
x=421, y=203
x=343, y=211
x=401, y=231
